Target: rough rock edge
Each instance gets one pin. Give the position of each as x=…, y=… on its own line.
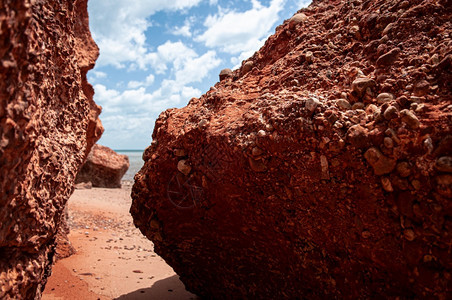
x=282, y=199
x=48, y=123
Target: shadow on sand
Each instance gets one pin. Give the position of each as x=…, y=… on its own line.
x=170, y=288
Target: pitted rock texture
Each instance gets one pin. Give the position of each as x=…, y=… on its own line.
x=322, y=172
x=48, y=123
x=103, y=168
x=63, y=247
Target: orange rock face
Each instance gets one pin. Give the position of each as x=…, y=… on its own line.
x=103, y=168
x=321, y=170
x=48, y=123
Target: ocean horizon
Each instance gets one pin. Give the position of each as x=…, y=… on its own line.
x=135, y=160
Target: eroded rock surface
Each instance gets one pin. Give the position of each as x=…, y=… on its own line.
x=48, y=123
x=293, y=180
x=103, y=168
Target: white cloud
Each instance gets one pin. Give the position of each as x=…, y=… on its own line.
x=118, y=27
x=189, y=92
x=98, y=74
x=94, y=76
x=186, y=63
x=236, y=32
x=150, y=79
x=176, y=53
x=136, y=84
x=196, y=69
x=184, y=30
x=137, y=105
x=185, y=67
x=138, y=100
x=130, y=114
x=304, y=3
x=125, y=132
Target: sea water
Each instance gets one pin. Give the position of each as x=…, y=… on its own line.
x=135, y=160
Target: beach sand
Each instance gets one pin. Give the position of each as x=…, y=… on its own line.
x=113, y=259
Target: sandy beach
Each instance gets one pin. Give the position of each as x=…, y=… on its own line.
x=113, y=259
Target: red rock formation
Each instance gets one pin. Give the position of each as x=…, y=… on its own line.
x=103, y=168
x=63, y=247
x=322, y=172
x=48, y=122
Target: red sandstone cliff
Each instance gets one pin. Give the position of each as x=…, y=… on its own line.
x=48, y=123
x=320, y=169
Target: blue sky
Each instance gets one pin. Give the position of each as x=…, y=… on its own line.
x=158, y=54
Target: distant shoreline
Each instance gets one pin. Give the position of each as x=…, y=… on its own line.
x=135, y=160
x=128, y=150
